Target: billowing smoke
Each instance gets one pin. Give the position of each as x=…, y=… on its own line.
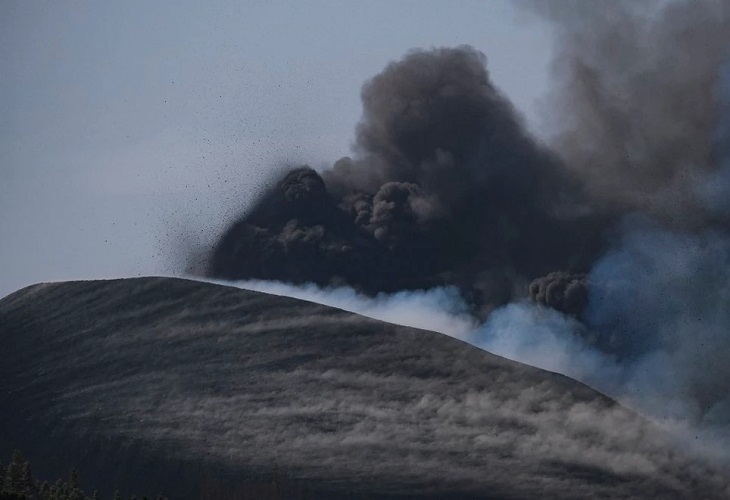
x=444, y=188
x=635, y=113
x=655, y=334
x=640, y=117
x=620, y=234
x=566, y=292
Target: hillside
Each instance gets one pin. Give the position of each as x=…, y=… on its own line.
x=189, y=388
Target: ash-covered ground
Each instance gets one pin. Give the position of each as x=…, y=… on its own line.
x=173, y=385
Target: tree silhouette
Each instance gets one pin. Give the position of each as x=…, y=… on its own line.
x=17, y=483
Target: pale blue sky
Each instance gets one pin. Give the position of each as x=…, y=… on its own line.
x=131, y=129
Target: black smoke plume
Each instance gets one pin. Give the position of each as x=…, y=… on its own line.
x=563, y=291
x=444, y=187
x=636, y=109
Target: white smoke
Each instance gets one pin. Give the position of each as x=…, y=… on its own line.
x=437, y=309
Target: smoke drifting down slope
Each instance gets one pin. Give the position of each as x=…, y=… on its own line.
x=624, y=224
x=172, y=384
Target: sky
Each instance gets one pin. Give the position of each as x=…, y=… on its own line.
x=133, y=132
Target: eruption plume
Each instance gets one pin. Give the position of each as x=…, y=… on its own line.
x=444, y=188
x=636, y=109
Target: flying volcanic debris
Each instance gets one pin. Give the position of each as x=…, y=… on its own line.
x=444, y=187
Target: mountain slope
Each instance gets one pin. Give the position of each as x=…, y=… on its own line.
x=186, y=387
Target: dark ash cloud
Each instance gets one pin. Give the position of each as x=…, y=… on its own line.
x=562, y=291
x=444, y=187
x=636, y=106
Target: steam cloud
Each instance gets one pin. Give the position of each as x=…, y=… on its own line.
x=624, y=225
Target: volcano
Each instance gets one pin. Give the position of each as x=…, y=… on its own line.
x=201, y=391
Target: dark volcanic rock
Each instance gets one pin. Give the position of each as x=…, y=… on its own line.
x=178, y=386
